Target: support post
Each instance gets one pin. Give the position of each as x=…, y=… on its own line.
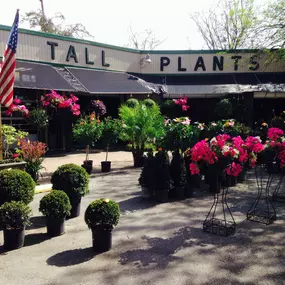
x=1, y=145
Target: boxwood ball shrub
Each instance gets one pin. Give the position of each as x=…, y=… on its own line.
x=16, y=185
x=132, y=102
x=55, y=205
x=102, y=212
x=72, y=179
x=149, y=102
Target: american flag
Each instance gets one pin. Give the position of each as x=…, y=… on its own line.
x=7, y=71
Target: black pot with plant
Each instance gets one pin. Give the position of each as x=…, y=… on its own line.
x=56, y=207
x=162, y=176
x=14, y=217
x=16, y=185
x=147, y=177
x=101, y=216
x=73, y=180
x=110, y=135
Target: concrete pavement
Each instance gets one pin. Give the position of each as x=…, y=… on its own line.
x=157, y=244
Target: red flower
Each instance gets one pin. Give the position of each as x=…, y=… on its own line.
x=17, y=101
x=15, y=155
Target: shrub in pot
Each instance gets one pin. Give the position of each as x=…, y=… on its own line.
x=16, y=185
x=14, y=217
x=110, y=135
x=101, y=216
x=147, y=177
x=56, y=207
x=162, y=176
x=73, y=180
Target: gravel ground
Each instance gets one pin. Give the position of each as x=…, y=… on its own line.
x=153, y=243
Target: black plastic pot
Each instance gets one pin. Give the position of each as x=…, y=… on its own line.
x=188, y=191
x=105, y=166
x=230, y=181
x=195, y=180
x=55, y=227
x=161, y=195
x=241, y=176
x=215, y=183
x=88, y=165
x=101, y=238
x=139, y=158
x=75, y=207
x=14, y=238
x=179, y=193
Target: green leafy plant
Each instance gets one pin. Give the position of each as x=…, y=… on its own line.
x=147, y=176
x=16, y=185
x=141, y=125
x=132, y=102
x=102, y=212
x=15, y=215
x=10, y=136
x=39, y=118
x=87, y=131
x=111, y=132
x=55, y=205
x=177, y=170
x=224, y=109
x=149, y=102
x=72, y=179
x=162, y=171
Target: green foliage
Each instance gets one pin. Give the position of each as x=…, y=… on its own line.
x=178, y=171
x=72, y=179
x=149, y=102
x=147, y=176
x=102, y=212
x=15, y=215
x=224, y=109
x=111, y=130
x=162, y=171
x=87, y=130
x=16, y=185
x=132, y=102
x=10, y=136
x=39, y=118
x=55, y=205
x=141, y=125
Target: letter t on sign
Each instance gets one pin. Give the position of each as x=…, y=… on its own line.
x=52, y=49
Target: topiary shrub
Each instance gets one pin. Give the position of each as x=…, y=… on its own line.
x=132, y=102
x=224, y=109
x=55, y=205
x=102, y=212
x=14, y=215
x=16, y=185
x=72, y=179
x=149, y=102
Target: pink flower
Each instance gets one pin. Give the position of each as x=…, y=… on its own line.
x=234, y=169
x=166, y=122
x=17, y=101
x=73, y=98
x=194, y=169
x=176, y=101
x=185, y=107
x=186, y=121
x=15, y=155
x=274, y=134
x=8, y=112
x=77, y=113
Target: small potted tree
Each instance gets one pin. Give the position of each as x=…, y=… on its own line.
x=101, y=216
x=73, y=180
x=87, y=131
x=16, y=185
x=14, y=217
x=55, y=206
x=110, y=135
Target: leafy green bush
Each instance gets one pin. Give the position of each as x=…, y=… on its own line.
x=39, y=118
x=224, y=109
x=16, y=185
x=72, y=179
x=14, y=215
x=149, y=103
x=178, y=171
x=162, y=171
x=147, y=176
x=103, y=212
x=55, y=205
x=132, y=102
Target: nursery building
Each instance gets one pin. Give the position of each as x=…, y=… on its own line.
x=91, y=70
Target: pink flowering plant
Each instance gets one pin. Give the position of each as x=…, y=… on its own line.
x=17, y=107
x=56, y=101
x=182, y=102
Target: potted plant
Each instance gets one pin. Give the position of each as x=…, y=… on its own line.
x=101, y=216
x=110, y=135
x=16, y=185
x=55, y=206
x=14, y=217
x=87, y=130
x=32, y=153
x=162, y=176
x=141, y=124
x=73, y=180
x=147, y=177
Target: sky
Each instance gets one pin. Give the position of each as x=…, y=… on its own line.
x=109, y=20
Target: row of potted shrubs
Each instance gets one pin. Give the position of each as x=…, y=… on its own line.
x=17, y=191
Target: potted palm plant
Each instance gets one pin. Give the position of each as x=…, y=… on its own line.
x=101, y=216
x=87, y=131
x=141, y=124
x=55, y=206
x=73, y=180
x=110, y=135
x=14, y=217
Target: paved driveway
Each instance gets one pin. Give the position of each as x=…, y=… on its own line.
x=153, y=244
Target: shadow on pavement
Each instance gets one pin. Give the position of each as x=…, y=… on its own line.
x=37, y=222
x=32, y=239
x=135, y=204
x=71, y=257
